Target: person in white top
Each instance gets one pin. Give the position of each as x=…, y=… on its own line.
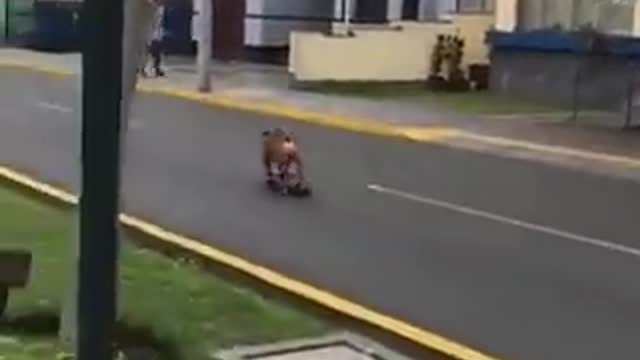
x=155, y=40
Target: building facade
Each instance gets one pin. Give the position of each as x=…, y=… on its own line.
x=576, y=53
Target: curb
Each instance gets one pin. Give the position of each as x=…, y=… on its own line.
x=414, y=334
x=425, y=134
x=419, y=336
x=441, y=135
x=353, y=124
x=552, y=149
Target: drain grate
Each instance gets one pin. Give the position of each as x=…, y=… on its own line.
x=330, y=351
x=338, y=347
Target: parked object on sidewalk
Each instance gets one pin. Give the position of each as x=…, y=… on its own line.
x=479, y=76
x=448, y=53
x=15, y=266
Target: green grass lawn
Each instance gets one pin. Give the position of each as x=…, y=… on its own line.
x=27, y=347
x=472, y=102
x=184, y=306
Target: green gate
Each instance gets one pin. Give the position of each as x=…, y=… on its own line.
x=16, y=20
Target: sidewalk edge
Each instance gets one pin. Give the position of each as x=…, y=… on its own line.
x=441, y=135
x=348, y=123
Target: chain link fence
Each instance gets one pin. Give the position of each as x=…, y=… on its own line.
x=606, y=91
x=609, y=16
x=605, y=84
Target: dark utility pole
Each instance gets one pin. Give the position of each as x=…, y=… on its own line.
x=102, y=27
x=7, y=9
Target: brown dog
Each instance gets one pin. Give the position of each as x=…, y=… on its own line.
x=279, y=152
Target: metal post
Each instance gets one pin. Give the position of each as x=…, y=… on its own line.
x=204, y=45
x=576, y=97
x=347, y=16
x=7, y=7
x=138, y=17
x=102, y=22
x=629, y=100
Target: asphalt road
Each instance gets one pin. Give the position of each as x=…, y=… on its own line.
x=518, y=259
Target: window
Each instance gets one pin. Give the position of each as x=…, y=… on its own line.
x=463, y=6
x=610, y=16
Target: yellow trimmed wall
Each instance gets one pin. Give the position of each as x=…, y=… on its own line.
x=399, y=52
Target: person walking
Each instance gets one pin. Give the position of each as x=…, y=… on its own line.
x=155, y=44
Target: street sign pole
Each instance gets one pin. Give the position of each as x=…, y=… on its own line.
x=7, y=17
x=204, y=45
x=102, y=22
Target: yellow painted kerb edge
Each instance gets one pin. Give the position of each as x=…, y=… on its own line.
x=38, y=68
x=324, y=298
x=410, y=332
x=425, y=134
x=272, y=109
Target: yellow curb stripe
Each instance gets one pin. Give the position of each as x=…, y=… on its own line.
x=324, y=298
x=553, y=149
x=419, y=336
x=426, y=134
x=269, y=108
x=37, y=68
x=279, y=110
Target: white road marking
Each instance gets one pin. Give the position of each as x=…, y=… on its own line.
x=134, y=124
x=507, y=220
x=55, y=107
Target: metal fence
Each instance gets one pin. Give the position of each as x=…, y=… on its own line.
x=611, y=16
x=606, y=92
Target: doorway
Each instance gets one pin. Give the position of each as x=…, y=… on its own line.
x=410, y=9
x=228, y=29
x=372, y=11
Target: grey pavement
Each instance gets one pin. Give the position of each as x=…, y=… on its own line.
x=270, y=83
x=515, y=258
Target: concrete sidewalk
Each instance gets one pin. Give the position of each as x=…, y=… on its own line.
x=264, y=88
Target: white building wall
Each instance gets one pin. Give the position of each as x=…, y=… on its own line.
x=272, y=32
x=445, y=8
x=254, y=28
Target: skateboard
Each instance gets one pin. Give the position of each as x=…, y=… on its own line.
x=295, y=190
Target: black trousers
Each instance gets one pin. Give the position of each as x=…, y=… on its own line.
x=155, y=50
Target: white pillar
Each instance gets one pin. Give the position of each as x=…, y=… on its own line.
x=347, y=15
x=343, y=10
x=204, y=44
x=636, y=19
x=506, y=15
x=394, y=10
